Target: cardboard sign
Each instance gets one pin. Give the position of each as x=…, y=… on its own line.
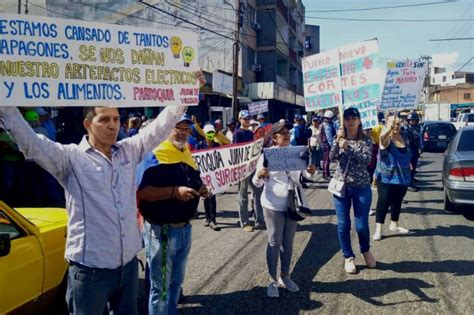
x=403, y=84
x=59, y=62
x=226, y=166
x=285, y=159
x=256, y=108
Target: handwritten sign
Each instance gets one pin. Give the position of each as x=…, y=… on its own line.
x=226, y=166
x=256, y=108
x=285, y=159
x=403, y=84
x=322, y=81
x=58, y=62
x=361, y=80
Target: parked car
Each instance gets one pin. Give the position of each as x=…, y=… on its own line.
x=436, y=135
x=458, y=170
x=464, y=119
x=32, y=266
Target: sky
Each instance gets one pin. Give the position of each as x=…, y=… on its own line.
x=400, y=40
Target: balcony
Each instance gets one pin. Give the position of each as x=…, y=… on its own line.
x=283, y=9
x=292, y=23
x=292, y=55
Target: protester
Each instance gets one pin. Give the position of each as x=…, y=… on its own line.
x=241, y=135
x=169, y=187
x=352, y=151
x=413, y=132
x=280, y=227
x=327, y=137
x=254, y=125
x=134, y=125
x=47, y=122
x=220, y=138
x=210, y=203
x=301, y=133
x=393, y=176
x=315, y=142
x=261, y=120
x=231, y=125
x=11, y=174
x=97, y=176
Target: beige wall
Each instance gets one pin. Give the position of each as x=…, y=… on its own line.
x=454, y=95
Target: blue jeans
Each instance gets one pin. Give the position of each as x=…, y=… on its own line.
x=361, y=199
x=164, y=295
x=92, y=290
x=316, y=157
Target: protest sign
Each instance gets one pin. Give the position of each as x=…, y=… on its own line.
x=256, y=108
x=322, y=81
x=285, y=159
x=226, y=166
x=403, y=84
x=59, y=62
x=361, y=80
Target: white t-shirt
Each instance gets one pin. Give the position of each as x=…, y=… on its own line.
x=315, y=140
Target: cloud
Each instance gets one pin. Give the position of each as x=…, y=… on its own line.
x=445, y=60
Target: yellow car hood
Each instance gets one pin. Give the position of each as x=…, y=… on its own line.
x=45, y=218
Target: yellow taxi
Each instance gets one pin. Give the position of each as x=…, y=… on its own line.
x=33, y=272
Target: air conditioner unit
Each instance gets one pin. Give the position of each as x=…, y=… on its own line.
x=256, y=26
x=257, y=67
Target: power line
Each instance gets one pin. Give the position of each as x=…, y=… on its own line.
x=384, y=7
x=446, y=39
x=466, y=64
x=211, y=15
x=184, y=20
x=387, y=20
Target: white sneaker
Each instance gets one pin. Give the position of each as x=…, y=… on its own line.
x=372, y=212
x=350, y=266
x=378, y=232
x=396, y=228
x=288, y=283
x=272, y=290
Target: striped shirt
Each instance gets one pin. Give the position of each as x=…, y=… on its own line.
x=100, y=193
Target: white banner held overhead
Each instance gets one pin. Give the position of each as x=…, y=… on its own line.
x=403, y=84
x=256, y=108
x=59, y=62
x=226, y=166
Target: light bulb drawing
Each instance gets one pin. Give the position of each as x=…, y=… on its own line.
x=176, y=44
x=188, y=55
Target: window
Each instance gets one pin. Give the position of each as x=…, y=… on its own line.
x=444, y=78
x=8, y=227
x=467, y=96
x=465, y=143
x=250, y=58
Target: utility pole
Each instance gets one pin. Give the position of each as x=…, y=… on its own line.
x=235, y=71
x=19, y=6
x=427, y=59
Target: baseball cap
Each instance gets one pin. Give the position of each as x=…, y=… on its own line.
x=232, y=122
x=218, y=122
x=244, y=114
x=31, y=115
x=254, y=122
x=185, y=118
x=209, y=128
x=278, y=126
x=260, y=116
x=351, y=112
x=298, y=117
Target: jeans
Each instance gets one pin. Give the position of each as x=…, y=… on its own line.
x=92, y=290
x=281, y=232
x=390, y=196
x=164, y=295
x=326, y=160
x=210, y=208
x=360, y=198
x=316, y=157
x=244, y=202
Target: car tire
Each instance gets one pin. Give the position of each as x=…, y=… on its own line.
x=448, y=205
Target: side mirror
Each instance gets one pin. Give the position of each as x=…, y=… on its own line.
x=5, y=245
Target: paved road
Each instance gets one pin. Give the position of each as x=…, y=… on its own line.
x=430, y=271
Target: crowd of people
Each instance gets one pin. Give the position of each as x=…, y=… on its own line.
x=104, y=179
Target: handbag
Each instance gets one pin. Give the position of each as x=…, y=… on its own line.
x=338, y=187
x=297, y=208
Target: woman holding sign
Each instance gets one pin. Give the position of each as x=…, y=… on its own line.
x=352, y=151
x=280, y=227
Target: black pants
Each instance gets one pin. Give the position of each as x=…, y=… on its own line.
x=389, y=196
x=210, y=207
x=414, y=162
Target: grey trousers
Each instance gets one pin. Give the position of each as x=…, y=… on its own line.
x=281, y=232
x=244, y=202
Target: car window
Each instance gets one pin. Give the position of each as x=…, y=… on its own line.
x=441, y=128
x=8, y=227
x=465, y=142
x=470, y=118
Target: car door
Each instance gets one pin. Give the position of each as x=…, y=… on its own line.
x=21, y=270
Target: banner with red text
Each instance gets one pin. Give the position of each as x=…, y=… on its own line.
x=226, y=166
x=64, y=62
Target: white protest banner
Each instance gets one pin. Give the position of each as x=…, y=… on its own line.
x=403, y=84
x=59, y=62
x=226, y=166
x=361, y=81
x=256, y=108
x=322, y=82
x=285, y=158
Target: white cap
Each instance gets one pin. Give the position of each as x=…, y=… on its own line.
x=328, y=114
x=209, y=128
x=254, y=122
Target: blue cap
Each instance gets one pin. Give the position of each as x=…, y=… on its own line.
x=260, y=116
x=185, y=118
x=244, y=114
x=298, y=116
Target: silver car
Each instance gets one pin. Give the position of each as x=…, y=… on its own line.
x=458, y=170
